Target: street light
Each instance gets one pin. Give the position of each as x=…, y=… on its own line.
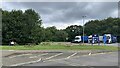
x=83, y=28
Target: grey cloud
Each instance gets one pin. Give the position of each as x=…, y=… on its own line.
x=70, y=11
x=91, y=10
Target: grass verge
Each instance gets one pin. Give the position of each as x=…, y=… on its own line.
x=59, y=47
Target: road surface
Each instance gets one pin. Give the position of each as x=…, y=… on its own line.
x=109, y=59
x=63, y=58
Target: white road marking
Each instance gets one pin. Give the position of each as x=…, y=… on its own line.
x=94, y=54
x=90, y=53
x=43, y=54
x=19, y=55
x=33, y=57
x=26, y=62
x=71, y=55
x=98, y=53
x=38, y=55
x=54, y=56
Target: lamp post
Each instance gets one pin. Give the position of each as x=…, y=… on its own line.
x=83, y=28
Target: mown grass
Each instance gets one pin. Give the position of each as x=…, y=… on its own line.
x=59, y=47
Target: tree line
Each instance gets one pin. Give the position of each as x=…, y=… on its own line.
x=25, y=27
x=106, y=26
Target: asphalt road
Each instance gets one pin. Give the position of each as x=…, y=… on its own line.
x=64, y=58
x=109, y=59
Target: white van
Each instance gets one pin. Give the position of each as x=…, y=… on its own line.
x=77, y=39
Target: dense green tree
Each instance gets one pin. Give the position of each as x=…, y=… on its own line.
x=11, y=25
x=61, y=36
x=73, y=30
x=109, y=25
x=22, y=27
x=52, y=34
x=105, y=26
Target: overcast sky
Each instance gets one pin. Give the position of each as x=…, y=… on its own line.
x=63, y=14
